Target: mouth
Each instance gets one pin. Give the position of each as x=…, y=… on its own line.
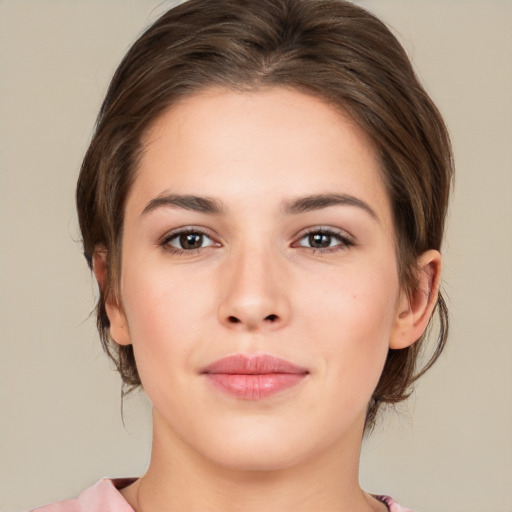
x=253, y=377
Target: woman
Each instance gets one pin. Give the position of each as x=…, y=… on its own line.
x=263, y=207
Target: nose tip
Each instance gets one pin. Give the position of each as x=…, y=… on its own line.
x=252, y=297
x=251, y=318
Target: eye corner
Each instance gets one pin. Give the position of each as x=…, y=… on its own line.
x=188, y=241
x=323, y=240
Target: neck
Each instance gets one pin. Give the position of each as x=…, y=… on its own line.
x=179, y=478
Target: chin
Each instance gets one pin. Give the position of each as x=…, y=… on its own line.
x=261, y=459
x=258, y=450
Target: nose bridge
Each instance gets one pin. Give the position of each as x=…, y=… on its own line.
x=254, y=294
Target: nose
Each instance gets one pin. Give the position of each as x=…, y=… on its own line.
x=254, y=292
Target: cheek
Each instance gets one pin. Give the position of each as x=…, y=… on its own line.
x=351, y=316
x=352, y=301
x=166, y=313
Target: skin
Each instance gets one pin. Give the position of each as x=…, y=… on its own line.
x=259, y=283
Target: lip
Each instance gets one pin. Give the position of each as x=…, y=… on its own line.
x=253, y=377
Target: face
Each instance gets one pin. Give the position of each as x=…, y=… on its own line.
x=259, y=283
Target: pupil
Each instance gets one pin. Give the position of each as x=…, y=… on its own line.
x=319, y=240
x=191, y=241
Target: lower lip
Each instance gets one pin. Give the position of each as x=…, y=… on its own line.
x=254, y=387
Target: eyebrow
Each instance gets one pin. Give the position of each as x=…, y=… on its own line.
x=212, y=206
x=320, y=201
x=187, y=202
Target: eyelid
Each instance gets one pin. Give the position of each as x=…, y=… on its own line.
x=345, y=238
x=184, y=230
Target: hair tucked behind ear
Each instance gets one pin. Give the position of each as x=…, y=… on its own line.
x=331, y=49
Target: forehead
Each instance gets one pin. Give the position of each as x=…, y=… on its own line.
x=246, y=144
x=285, y=114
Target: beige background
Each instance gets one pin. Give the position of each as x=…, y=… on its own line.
x=450, y=450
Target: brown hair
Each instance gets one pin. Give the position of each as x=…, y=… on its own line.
x=330, y=49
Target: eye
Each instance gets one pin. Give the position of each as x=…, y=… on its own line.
x=187, y=241
x=324, y=239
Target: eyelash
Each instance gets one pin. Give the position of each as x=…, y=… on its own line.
x=174, y=235
x=344, y=240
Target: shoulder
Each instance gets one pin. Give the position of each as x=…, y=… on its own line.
x=102, y=497
x=392, y=505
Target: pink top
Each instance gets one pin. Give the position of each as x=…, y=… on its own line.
x=105, y=497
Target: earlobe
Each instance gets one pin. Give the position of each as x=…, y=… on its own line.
x=117, y=318
x=415, y=309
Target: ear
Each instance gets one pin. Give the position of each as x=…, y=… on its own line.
x=118, y=325
x=415, y=309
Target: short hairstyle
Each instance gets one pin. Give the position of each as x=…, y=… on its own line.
x=330, y=49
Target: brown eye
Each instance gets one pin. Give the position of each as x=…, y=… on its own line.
x=189, y=241
x=325, y=239
x=319, y=240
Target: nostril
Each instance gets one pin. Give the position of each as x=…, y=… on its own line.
x=235, y=320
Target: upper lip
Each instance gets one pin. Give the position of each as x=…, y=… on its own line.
x=240, y=364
